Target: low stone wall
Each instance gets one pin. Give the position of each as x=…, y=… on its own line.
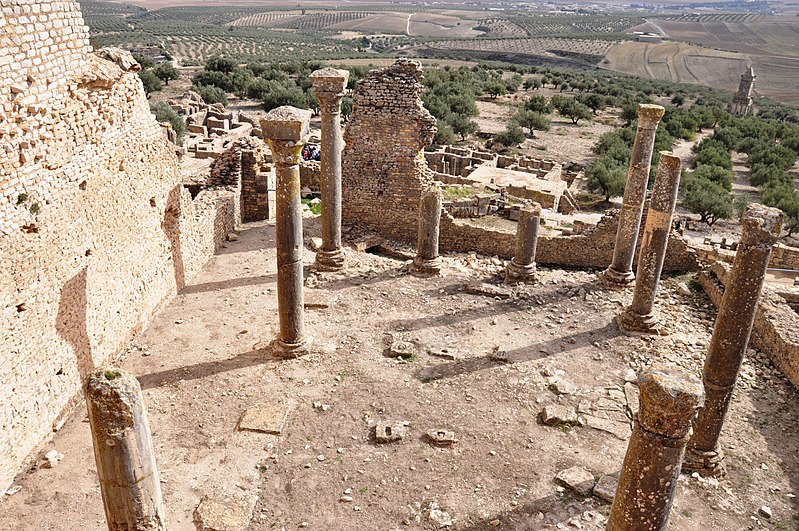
x=591, y=249
x=776, y=327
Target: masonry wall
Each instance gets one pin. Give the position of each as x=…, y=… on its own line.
x=96, y=231
x=384, y=170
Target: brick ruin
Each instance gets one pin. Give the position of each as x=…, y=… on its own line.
x=96, y=230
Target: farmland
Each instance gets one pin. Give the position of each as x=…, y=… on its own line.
x=709, y=48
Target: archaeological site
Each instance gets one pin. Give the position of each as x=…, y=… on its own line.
x=395, y=334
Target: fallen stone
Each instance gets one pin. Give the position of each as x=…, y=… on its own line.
x=232, y=237
x=401, y=349
x=52, y=458
x=441, y=437
x=630, y=376
x=563, y=387
x=558, y=415
x=606, y=487
x=765, y=512
x=389, y=431
x=315, y=301
x=488, y=290
x=577, y=479
x=316, y=243
x=438, y=517
x=499, y=355
x=446, y=353
x=631, y=393
x=224, y=512
x=265, y=418
x=683, y=289
x=620, y=430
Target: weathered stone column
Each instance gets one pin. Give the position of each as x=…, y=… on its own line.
x=639, y=317
x=651, y=466
x=123, y=451
x=285, y=129
x=761, y=228
x=328, y=86
x=427, y=259
x=620, y=272
x=522, y=267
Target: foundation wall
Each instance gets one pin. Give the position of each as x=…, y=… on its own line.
x=96, y=231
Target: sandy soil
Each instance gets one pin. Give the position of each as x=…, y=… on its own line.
x=200, y=369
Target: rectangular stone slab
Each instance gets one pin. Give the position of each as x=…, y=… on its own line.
x=265, y=418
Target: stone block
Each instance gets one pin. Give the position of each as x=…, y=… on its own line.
x=286, y=123
x=265, y=418
x=390, y=431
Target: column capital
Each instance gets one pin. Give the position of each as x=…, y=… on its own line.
x=285, y=129
x=649, y=115
x=669, y=402
x=329, y=81
x=761, y=225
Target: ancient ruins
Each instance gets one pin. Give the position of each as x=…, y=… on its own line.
x=109, y=250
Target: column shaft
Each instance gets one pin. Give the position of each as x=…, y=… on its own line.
x=620, y=270
x=639, y=317
x=430, y=206
x=761, y=228
x=522, y=267
x=651, y=466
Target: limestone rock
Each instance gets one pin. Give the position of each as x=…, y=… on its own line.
x=441, y=437
x=401, y=349
x=488, y=290
x=577, y=479
x=606, y=487
x=266, y=418
x=52, y=458
x=558, y=415
x=224, y=512
x=389, y=431
x=563, y=387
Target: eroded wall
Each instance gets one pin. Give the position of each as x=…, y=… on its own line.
x=96, y=230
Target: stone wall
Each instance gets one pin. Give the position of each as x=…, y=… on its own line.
x=776, y=327
x=96, y=231
x=591, y=249
x=384, y=170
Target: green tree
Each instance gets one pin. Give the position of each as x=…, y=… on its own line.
x=606, y=176
x=166, y=73
x=538, y=104
x=574, y=110
x=511, y=136
x=532, y=121
x=210, y=94
x=150, y=81
x=444, y=133
x=496, y=88
x=716, y=174
x=461, y=124
x=164, y=113
x=708, y=199
x=144, y=60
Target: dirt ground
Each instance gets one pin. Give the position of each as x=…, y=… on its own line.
x=200, y=368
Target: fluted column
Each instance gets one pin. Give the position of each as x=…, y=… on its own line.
x=639, y=317
x=328, y=87
x=761, y=228
x=620, y=272
x=285, y=129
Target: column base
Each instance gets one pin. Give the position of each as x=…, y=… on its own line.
x=520, y=273
x=634, y=324
x=330, y=260
x=280, y=349
x=427, y=266
x=706, y=463
x=612, y=278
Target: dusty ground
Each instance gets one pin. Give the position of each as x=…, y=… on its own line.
x=200, y=371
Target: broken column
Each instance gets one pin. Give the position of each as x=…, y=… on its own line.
x=328, y=86
x=639, y=316
x=123, y=451
x=285, y=129
x=522, y=267
x=648, y=479
x=620, y=272
x=761, y=228
x=427, y=259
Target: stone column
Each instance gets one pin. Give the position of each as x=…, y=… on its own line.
x=620, y=272
x=639, y=317
x=651, y=466
x=427, y=259
x=761, y=228
x=522, y=267
x=123, y=451
x=285, y=129
x=328, y=86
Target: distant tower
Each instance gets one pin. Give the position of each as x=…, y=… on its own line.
x=742, y=101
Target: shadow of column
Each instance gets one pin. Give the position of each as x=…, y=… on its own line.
x=71, y=322
x=171, y=227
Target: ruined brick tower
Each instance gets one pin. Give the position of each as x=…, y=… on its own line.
x=742, y=101
x=384, y=170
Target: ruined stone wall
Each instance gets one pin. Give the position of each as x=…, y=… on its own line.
x=96, y=230
x=591, y=249
x=776, y=327
x=384, y=169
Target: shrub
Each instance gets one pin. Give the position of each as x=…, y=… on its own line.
x=164, y=113
x=606, y=176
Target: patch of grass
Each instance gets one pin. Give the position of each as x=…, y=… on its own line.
x=34, y=208
x=462, y=192
x=21, y=198
x=315, y=208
